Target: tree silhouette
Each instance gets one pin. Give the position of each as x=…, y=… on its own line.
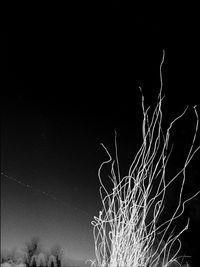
x=57, y=252
x=31, y=248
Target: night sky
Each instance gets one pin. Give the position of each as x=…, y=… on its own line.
x=66, y=92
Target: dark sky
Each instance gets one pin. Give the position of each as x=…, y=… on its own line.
x=66, y=91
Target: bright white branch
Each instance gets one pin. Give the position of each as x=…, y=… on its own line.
x=123, y=234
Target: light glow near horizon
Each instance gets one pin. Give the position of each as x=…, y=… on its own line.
x=52, y=226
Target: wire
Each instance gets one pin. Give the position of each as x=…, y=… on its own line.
x=51, y=196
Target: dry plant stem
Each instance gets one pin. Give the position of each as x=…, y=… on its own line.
x=124, y=236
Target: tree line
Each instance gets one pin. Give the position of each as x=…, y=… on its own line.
x=33, y=256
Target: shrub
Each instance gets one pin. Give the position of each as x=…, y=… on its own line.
x=123, y=236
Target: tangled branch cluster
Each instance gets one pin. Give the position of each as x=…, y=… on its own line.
x=124, y=236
